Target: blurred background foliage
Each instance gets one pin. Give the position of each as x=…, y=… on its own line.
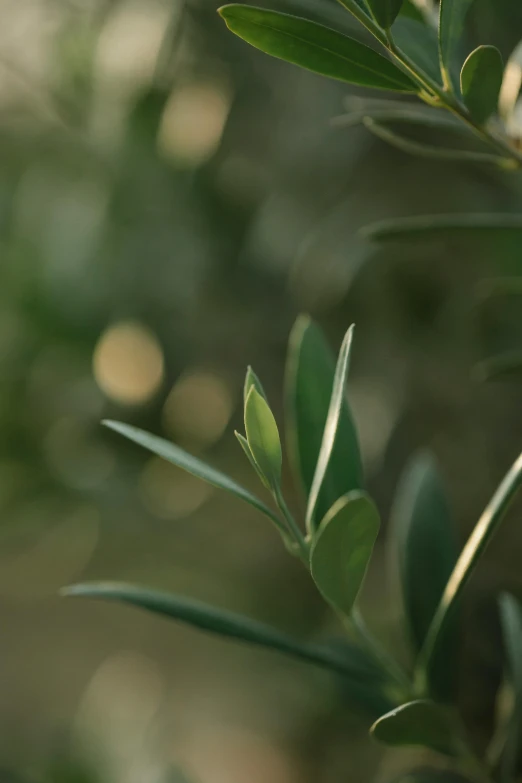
x=170, y=199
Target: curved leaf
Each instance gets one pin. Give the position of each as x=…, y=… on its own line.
x=331, y=429
x=451, y=28
x=263, y=437
x=431, y=226
x=419, y=723
x=423, y=534
x=342, y=548
x=480, y=82
x=315, y=47
x=172, y=453
x=309, y=377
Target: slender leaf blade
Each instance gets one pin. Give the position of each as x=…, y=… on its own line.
x=263, y=437
x=331, y=429
x=480, y=82
x=385, y=11
x=424, y=541
x=419, y=41
x=309, y=378
x=452, y=18
x=434, y=226
x=467, y=562
x=251, y=379
x=342, y=548
x=419, y=723
x=511, y=620
x=182, y=459
x=315, y=48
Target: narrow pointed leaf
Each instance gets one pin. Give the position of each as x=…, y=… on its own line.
x=172, y=453
x=475, y=547
x=315, y=47
x=251, y=379
x=480, y=82
x=331, y=429
x=385, y=11
x=452, y=18
x=419, y=41
x=511, y=619
x=433, y=226
x=425, y=545
x=347, y=662
x=342, y=549
x=309, y=378
x=246, y=448
x=427, y=775
x=263, y=437
x=504, y=366
x=418, y=723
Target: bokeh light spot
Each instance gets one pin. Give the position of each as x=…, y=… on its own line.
x=198, y=408
x=128, y=363
x=169, y=493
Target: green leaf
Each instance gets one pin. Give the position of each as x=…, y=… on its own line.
x=480, y=82
x=418, y=723
x=433, y=226
x=504, y=366
x=419, y=41
x=423, y=537
x=432, y=119
x=330, y=435
x=467, y=562
x=342, y=548
x=314, y=47
x=227, y=624
x=511, y=619
x=309, y=378
x=451, y=28
x=251, y=379
x=172, y=453
x=263, y=437
x=246, y=448
x=429, y=151
x=427, y=775
x=385, y=11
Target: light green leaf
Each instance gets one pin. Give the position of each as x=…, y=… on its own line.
x=246, y=448
x=419, y=41
x=429, y=151
x=315, y=47
x=331, y=429
x=309, y=378
x=424, y=542
x=433, y=226
x=385, y=11
x=467, y=562
x=432, y=119
x=452, y=17
x=172, y=453
x=230, y=625
x=263, y=437
x=342, y=548
x=511, y=619
x=480, y=82
x=251, y=379
x=419, y=723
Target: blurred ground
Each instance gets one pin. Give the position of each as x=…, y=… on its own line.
x=169, y=201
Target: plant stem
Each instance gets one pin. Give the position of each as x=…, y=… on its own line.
x=292, y=526
x=379, y=654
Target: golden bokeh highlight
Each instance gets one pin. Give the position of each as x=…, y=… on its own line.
x=128, y=363
x=170, y=493
x=198, y=408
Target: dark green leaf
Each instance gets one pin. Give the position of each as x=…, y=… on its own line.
x=224, y=623
x=309, y=377
x=426, y=775
x=475, y=547
x=263, y=437
x=424, y=538
x=504, y=366
x=315, y=47
x=432, y=226
x=342, y=548
x=331, y=431
x=451, y=28
x=172, y=453
x=419, y=723
x=511, y=618
x=385, y=11
x=410, y=11
x=419, y=41
x=480, y=82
